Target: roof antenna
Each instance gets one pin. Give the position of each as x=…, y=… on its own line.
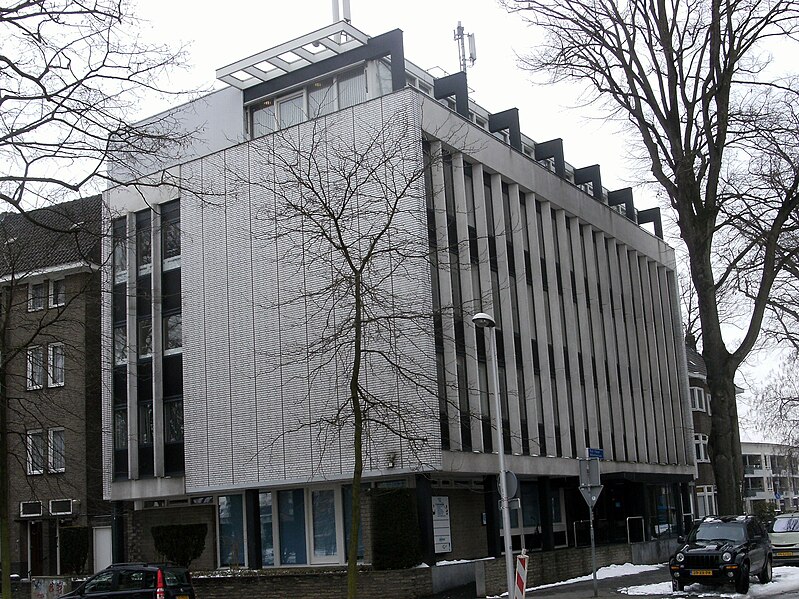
x=460, y=37
x=345, y=5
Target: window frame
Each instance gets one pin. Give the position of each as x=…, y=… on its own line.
x=51, y=382
x=29, y=461
x=31, y=306
x=31, y=386
x=700, y=442
x=53, y=302
x=170, y=351
x=51, y=450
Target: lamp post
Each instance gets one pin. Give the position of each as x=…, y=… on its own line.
x=485, y=321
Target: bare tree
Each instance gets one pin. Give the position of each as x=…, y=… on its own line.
x=690, y=80
x=776, y=404
x=342, y=203
x=71, y=74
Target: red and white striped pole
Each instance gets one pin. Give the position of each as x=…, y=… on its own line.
x=521, y=576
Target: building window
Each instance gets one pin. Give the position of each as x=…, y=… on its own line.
x=698, y=399
x=35, y=367
x=706, y=500
x=146, y=423
x=120, y=260
x=700, y=446
x=56, y=456
x=144, y=242
x=291, y=520
x=145, y=338
x=35, y=452
x=58, y=293
x=35, y=296
x=290, y=111
x=173, y=334
x=120, y=346
x=231, y=531
x=170, y=235
x=120, y=428
x=55, y=365
x=173, y=421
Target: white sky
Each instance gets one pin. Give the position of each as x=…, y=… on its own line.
x=235, y=29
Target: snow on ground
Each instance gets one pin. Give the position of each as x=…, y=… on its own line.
x=606, y=572
x=785, y=578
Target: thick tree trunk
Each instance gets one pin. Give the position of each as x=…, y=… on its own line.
x=724, y=444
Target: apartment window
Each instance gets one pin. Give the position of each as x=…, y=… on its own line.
x=351, y=88
x=698, y=399
x=321, y=98
x=700, y=446
x=35, y=452
x=263, y=119
x=173, y=334
x=35, y=367
x=35, y=296
x=57, y=293
x=55, y=365
x=173, y=421
x=56, y=461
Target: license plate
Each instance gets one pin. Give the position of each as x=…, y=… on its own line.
x=182, y=597
x=701, y=572
x=785, y=553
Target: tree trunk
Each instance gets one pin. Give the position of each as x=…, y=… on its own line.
x=724, y=444
x=355, y=400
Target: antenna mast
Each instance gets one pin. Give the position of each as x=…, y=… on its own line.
x=461, y=37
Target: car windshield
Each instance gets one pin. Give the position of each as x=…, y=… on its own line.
x=786, y=524
x=719, y=531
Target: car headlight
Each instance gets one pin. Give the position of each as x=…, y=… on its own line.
x=726, y=556
x=680, y=557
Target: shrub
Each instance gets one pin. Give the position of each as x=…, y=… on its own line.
x=74, y=542
x=180, y=543
x=395, y=529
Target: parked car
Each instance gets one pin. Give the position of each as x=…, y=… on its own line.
x=723, y=550
x=784, y=536
x=136, y=581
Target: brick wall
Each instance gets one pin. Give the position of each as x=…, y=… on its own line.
x=297, y=584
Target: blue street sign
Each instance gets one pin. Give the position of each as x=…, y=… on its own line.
x=595, y=453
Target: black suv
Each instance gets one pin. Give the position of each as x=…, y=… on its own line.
x=723, y=550
x=136, y=581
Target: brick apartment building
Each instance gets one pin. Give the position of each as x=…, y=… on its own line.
x=49, y=267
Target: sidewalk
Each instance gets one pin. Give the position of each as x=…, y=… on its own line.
x=607, y=588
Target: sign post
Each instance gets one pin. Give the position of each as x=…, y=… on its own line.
x=590, y=488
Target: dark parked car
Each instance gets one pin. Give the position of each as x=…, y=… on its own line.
x=136, y=581
x=723, y=550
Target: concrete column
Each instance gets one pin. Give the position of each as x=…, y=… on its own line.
x=493, y=538
x=117, y=532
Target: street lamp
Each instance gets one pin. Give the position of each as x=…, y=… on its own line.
x=485, y=321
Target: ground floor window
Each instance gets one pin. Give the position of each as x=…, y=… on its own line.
x=231, y=531
x=297, y=526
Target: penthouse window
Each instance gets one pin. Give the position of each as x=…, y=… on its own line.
x=317, y=99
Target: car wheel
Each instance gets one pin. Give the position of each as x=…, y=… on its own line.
x=742, y=582
x=765, y=573
x=677, y=585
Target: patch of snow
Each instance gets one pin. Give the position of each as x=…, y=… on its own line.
x=784, y=579
x=607, y=572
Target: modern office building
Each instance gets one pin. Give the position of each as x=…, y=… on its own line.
x=226, y=399
x=51, y=379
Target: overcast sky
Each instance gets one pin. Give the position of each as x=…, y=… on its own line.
x=236, y=29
